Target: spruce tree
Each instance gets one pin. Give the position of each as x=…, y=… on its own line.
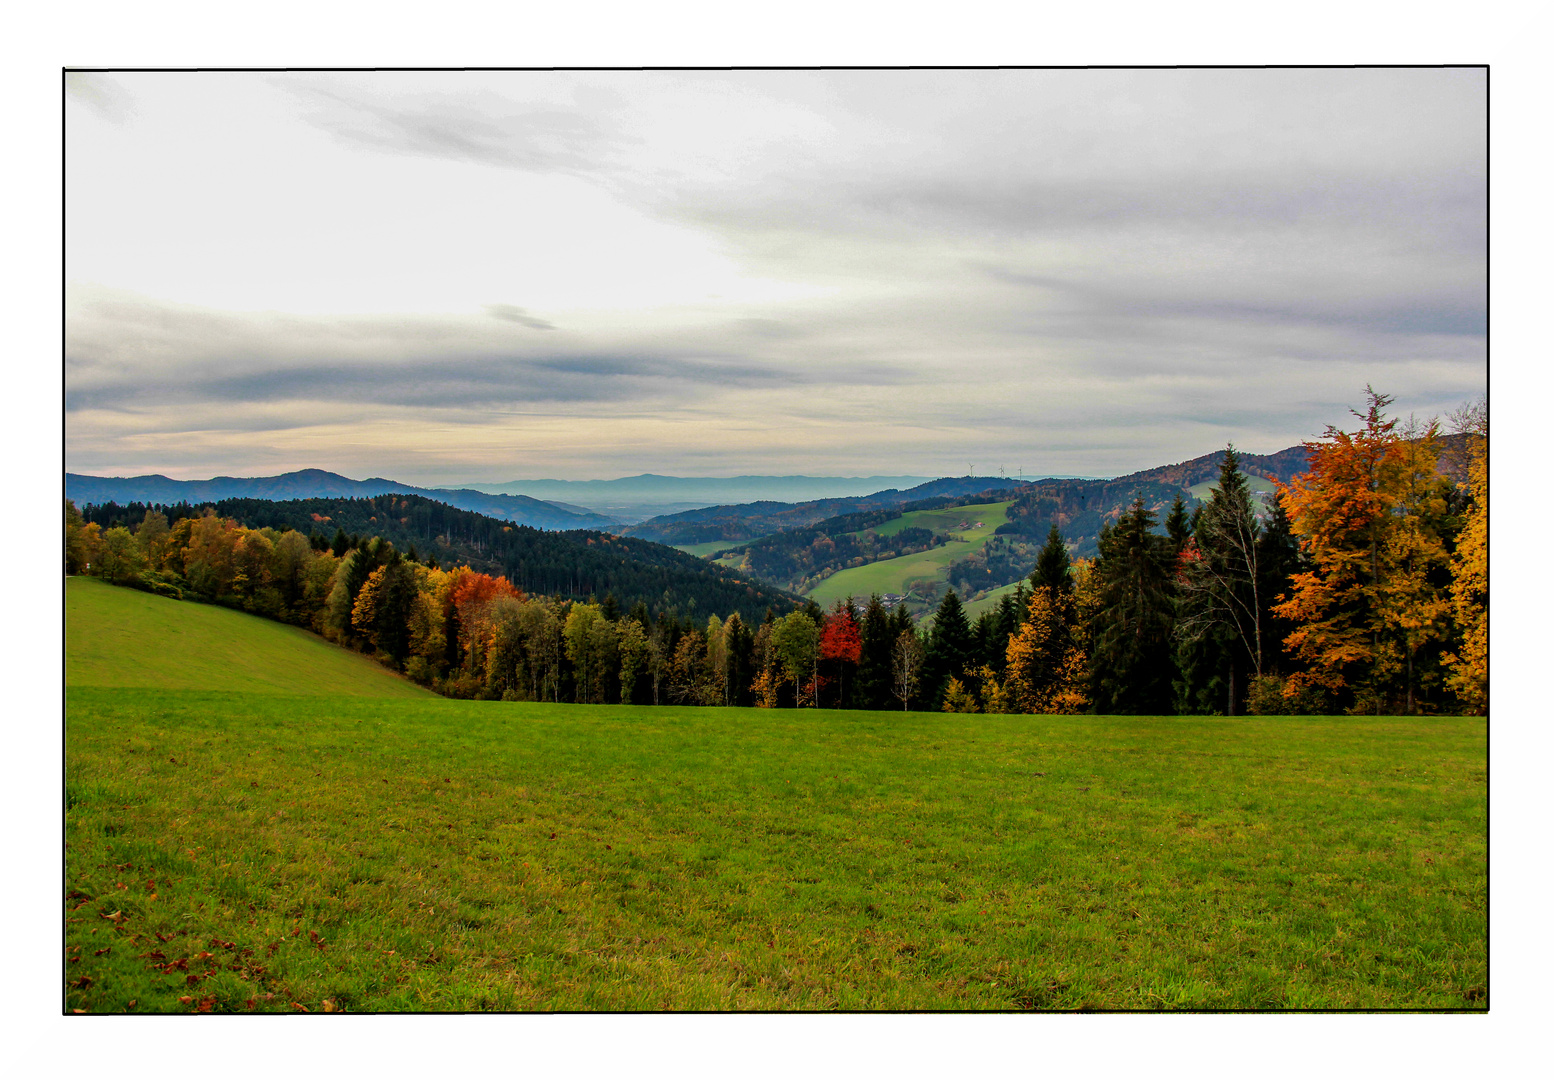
x=871, y=688
x=1222, y=616
x=1133, y=661
x=950, y=649
x=1178, y=526
x=1052, y=565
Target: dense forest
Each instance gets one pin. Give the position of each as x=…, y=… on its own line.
x=576, y=565
x=1365, y=590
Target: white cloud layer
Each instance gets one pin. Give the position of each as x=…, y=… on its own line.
x=462, y=277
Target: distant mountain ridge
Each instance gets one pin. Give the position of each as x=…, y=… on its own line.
x=319, y=484
x=648, y=494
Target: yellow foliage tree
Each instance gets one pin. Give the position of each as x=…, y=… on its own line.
x=957, y=698
x=1048, y=670
x=1469, y=663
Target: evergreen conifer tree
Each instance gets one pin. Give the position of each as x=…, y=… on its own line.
x=951, y=649
x=871, y=688
x=1052, y=565
x=1178, y=526
x=1133, y=661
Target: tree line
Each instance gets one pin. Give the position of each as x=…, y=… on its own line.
x=1363, y=590
x=577, y=564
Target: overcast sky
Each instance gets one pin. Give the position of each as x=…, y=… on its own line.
x=445, y=278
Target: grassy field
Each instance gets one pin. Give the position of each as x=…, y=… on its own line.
x=897, y=575
x=237, y=851
x=1258, y=484
x=975, y=608
x=123, y=638
x=712, y=547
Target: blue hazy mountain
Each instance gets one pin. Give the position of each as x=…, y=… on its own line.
x=318, y=484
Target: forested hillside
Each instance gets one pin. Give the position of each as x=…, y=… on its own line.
x=750, y=521
x=577, y=564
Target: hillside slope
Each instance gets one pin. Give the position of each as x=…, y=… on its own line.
x=749, y=521
x=118, y=637
x=575, y=564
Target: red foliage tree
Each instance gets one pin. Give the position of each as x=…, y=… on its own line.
x=841, y=644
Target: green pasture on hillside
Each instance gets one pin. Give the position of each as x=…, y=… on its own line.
x=975, y=608
x=711, y=547
x=1259, y=484
x=265, y=851
x=897, y=575
x=123, y=638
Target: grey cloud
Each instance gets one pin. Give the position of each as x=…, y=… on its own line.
x=1461, y=310
x=511, y=313
x=473, y=126
x=444, y=382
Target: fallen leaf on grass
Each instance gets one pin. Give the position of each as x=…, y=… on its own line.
x=185, y=1000
x=299, y=1006
x=83, y=982
x=103, y=952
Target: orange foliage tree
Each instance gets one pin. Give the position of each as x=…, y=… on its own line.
x=1367, y=514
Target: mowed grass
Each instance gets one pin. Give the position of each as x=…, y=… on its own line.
x=123, y=638
x=266, y=851
x=897, y=575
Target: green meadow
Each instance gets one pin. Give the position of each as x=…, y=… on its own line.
x=712, y=547
x=283, y=844
x=991, y=599
x=899, y=575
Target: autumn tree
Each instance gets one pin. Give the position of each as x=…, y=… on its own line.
x=1046, y=666
x=841, y=645
x=1041, y=656
x=1368, y=514
x=1468, y=663
x=78, y=548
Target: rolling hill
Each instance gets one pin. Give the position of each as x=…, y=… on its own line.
x=750, y=521
x=124, y=638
